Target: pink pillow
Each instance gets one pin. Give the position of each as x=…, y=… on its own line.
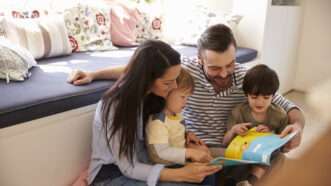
x=124, y=22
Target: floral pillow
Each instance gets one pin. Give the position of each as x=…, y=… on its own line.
x=149, y=27
x=89, y=28
x=25, y=14
x=203, y=18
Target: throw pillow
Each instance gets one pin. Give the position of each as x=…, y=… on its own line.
x=43, y=37
x=124, y=19
x=15, y=62
x=89, y=28
x=150, y=26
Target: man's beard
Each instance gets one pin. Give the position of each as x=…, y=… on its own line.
x=220, y=83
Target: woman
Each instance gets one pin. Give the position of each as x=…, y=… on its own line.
x=119, y=156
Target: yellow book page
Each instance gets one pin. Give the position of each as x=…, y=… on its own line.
x=239, y=144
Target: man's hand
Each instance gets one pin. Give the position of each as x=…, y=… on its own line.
x=262, y=128
x=295, y=142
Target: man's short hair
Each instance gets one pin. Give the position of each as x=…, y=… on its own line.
x=216, y=38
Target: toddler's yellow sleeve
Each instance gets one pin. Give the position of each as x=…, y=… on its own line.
x=157, y=133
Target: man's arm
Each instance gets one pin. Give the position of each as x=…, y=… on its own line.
x=297, y=123
x=296, y=116
x=79, y=77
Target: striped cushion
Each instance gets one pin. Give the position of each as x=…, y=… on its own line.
x=44, y=37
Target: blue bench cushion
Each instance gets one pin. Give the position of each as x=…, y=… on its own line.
x=244, y=55
x=46, y=91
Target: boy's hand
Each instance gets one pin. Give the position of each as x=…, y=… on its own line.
x=241, y=129
x=262, y=128
x=198, y=155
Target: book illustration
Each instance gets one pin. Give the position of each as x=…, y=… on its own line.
x=253, y=148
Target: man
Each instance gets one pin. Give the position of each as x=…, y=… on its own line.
x=218, y=82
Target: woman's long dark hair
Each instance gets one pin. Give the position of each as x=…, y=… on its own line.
x=149, y=62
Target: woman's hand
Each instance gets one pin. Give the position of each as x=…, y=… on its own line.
x=191, y=172
x=196, y=172
x=78, y=77
x=198, y=155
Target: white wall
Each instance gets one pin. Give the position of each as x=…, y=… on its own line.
x=250, y=30
x=219, y=5
x=274, y=31
x=314, y=55
x=280, y=43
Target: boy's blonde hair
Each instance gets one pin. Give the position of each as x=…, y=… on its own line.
x=185, y=81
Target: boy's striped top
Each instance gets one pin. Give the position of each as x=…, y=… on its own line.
x=207, y=112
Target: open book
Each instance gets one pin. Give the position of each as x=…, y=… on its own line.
x=253, y=148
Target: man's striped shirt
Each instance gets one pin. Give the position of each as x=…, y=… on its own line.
x=207, y=112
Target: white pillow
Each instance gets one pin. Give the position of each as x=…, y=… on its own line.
x=43, y=37
x=201, y=19
x=15, y=62
x=22, y=52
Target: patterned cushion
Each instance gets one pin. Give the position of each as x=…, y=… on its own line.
x=89, y=28
x=43, y=37
x=24, y=14
x=150, y=26
x=14, y=61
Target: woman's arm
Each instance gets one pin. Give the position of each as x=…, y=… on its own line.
x=79, y=77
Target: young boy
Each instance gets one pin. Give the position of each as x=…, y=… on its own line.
x=167, y=141
x=260, y=85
